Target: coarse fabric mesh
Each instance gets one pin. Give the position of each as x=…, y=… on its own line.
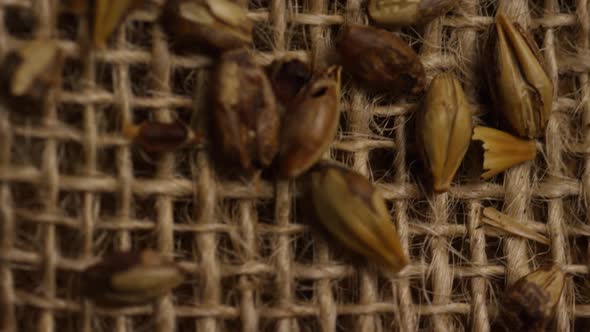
x=73, y=189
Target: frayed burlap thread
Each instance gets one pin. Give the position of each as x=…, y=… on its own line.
x=73, y=189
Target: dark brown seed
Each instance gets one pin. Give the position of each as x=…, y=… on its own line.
x=27, y=74
x=310, y=124
x=208, y=26
x=529, y=304
x=131, y=278
x=246, y=120
x=161, y=137
x=288, y=77
x=381, y=60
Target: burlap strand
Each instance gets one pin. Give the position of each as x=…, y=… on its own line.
x=72, y=189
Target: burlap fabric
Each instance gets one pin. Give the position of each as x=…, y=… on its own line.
x=73, y=189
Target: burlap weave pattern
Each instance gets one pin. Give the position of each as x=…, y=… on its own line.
x=72, y=188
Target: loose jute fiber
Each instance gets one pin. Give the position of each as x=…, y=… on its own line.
x=72, y=189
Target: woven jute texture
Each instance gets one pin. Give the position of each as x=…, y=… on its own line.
x=72, y=189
